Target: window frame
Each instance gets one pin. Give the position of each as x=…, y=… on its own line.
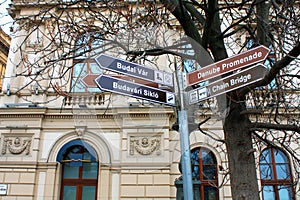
x=86, y=47
x=206, y=183
x=274, y=181
x=80, y=181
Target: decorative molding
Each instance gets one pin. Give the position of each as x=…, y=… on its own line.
x=21, y=116
x=80, y=130
x=145, y=145
x=16, y=145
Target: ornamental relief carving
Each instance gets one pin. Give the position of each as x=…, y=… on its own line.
x=16, y=145
x=145, y=145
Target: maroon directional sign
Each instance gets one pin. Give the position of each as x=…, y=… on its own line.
x=89, y=80
x=132, y=69
x=111, y=84
x=238, y=61
x=232, y=82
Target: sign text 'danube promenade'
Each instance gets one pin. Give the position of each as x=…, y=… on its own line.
x=238, y=61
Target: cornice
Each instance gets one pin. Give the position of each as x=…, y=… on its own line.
x=22, y=112
x=69, y=113
x=49, y=113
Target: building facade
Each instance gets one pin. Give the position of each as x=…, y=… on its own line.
x=101, y=145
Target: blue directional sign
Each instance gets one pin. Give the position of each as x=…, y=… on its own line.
x=111, y=84
x=132, y=69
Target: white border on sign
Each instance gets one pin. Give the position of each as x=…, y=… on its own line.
x=3, y=189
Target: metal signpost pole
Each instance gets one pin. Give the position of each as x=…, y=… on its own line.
x=184, y=142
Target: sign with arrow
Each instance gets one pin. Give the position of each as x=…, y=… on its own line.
x=229, y=83
x=238, y=61
x=89, y=80
x=132, y=69
x=111, y=84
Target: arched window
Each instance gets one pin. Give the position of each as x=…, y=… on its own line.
x=79, y=171
x=204, y=168
x=275, y=173
x=87, y=47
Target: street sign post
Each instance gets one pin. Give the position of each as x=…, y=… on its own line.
x=132, y=69
x=238, y=61
x=232, y=82
x=111, y=84
x=227, y=84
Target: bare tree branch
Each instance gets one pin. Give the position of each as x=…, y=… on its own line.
x=276, y=68
x=282, y=127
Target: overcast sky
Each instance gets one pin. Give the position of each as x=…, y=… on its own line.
x=5, y=19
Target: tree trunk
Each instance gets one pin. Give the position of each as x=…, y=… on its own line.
x=242, y=165
x=243, y=177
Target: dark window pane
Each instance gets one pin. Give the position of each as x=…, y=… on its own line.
x=280, y=157
x=285, y=192
x=195, y=156
x=268, y=192
x=207, y=157
x=95, y=69
x=69, y=193
x=80, y=70
x=90, y=170
x=210, y=193
x=94, y=90
x=78, y=87
x=195, y=172
x=189, y=65
x=266, y=172
x=88, y=192
x=209, y=172
x=86, y=155
x=282, y=171
x=75, y=164
x=195, y=163
x=265, y=157
x=69, y=154
x=70, y=171
x=250, y=43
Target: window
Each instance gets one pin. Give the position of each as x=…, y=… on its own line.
x=79, y=171
x=204, y=168
x=87, y=47
x=276, y=179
